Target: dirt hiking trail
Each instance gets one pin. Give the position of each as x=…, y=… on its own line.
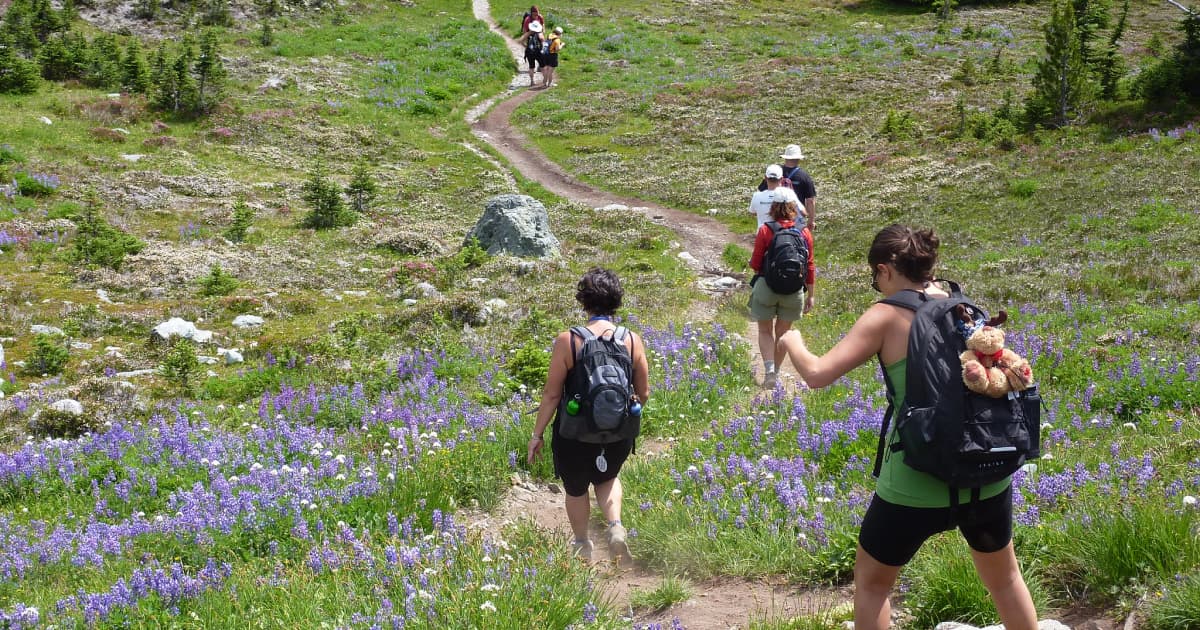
x=717, y=604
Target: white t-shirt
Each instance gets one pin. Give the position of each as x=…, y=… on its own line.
x=760, y=203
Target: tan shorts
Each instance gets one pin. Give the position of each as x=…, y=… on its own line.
x=766, y=304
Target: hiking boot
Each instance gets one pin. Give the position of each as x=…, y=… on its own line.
x=769, y=380
x=582, y=549
x=617, y=546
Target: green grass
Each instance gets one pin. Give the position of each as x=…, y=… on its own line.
x=672, y=590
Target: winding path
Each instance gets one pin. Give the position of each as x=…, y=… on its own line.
x=719, y=603
x=703, y=237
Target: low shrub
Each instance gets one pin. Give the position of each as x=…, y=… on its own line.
x=36, y=184
x=673, y=590
x=52, y=423
x=1179, y=609
x=218, y=282
x=243, y=218
x=180, y=364
x=98, y=243
x=49, y=356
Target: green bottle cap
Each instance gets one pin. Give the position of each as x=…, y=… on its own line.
x=573, y=407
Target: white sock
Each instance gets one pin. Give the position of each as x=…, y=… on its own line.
x=769, y=366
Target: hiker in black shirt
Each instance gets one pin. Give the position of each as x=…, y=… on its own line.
x=802, y=182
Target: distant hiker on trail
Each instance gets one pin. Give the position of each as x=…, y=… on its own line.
x=554, y=43
x=784, y=270
x=532, y=15
x=910, y=506
x=597, y=383
x=799, y=180
x=533, y=41
x=760, y=203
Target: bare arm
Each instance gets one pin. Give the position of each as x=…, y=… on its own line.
x=810, y=206
x=641, y=369
x=858, y=346
x=560, y=356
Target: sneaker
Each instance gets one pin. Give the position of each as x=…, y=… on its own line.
x=582, y=549
x=616, y=542
x=769, y=380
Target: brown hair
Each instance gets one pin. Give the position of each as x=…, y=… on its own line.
x=783, y=210
x=912, y=252
x=599, y=292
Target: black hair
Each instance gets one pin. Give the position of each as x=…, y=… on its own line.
x=599, y=292
x=912, y=252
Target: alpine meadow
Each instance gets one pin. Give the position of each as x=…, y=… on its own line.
x=261, y=369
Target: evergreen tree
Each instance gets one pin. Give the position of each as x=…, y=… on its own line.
x=18, y=28
x=63, y=57
x=175, y=92
x=210, y=74
x=271, y=8
x=216, y=13
x=1112, y=65
x=325, y=202
x=135, y=75
x=146, y=9
x=45, y=20
x=17, y=74
x=158, y=67
x=266, y=36
x=1061, y=85
x=1091, y=17
x=1187, y=55
x=362, y=189
x=105, y=62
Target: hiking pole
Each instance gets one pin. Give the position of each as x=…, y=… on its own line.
x=1181, y=7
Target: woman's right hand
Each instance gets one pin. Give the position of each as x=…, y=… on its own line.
x=534, y=449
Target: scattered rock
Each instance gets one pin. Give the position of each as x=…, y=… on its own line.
x=357, y=294
x=526, y=267
x=1, y=355
x=231, y=356
x=132, y=157
x=68, y=405
x=42, y=329
x=409, y=302
x=207, y=360
x=424, y=289
x=613, y=206
x=247, y=321
x=517, y=225
x=80, y=345
x=46, y=121
x=496, y=304
x=113, y=351
x=724, y=283
x=179, y=327
x=1096, y=624
x=272, y=83
x=1045, y=624
x=134, y=373
x=160, y=127
x=102, y=295
x=688, y=258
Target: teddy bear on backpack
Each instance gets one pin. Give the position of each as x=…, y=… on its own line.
x=988, y=367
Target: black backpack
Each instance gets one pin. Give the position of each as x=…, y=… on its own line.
x=533, y=44
x=965, y=439
x=598, y=395
x=786, y=260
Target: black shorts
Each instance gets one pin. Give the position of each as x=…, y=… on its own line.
x=550, y=60
x=892, y=533
x=533, y=59
x=575, y=463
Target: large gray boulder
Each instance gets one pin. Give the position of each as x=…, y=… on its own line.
x=517, y=225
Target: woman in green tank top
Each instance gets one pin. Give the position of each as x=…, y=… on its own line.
x=910, y=506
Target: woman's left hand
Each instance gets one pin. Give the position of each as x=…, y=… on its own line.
x=809, y=302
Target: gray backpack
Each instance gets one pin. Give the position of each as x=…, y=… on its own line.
x=598, y=394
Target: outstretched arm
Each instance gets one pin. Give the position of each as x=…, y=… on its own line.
x=858, y=346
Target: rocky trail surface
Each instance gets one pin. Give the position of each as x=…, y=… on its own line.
x=720, y=603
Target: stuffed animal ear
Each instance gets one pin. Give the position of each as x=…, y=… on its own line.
x=998, y=319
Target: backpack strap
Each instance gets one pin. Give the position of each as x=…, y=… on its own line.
x=887, y=418
x=583, y=332
x=773, y=226
x=910, y=299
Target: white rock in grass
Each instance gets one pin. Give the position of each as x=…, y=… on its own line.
x=427, y=290
x=688, y=258
x=954, y=625
x=68, y=405
x=132, y=157
x=80, y=345
x=1, y=355
x=247, y=321
x=613, y=206
x=206, y=360
x=409, y=302
x=231, y=355
x=179, y=327
x=1051, y=624
x=42, y=329
x=102, y=295
x=46, y=121
x=1189, y=501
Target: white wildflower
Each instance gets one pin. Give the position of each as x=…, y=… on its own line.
x=1189, y=500
x=488, y=606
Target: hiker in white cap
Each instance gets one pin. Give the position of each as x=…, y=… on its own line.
x=760, y=203
x=533, y=41
x=801, y=182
